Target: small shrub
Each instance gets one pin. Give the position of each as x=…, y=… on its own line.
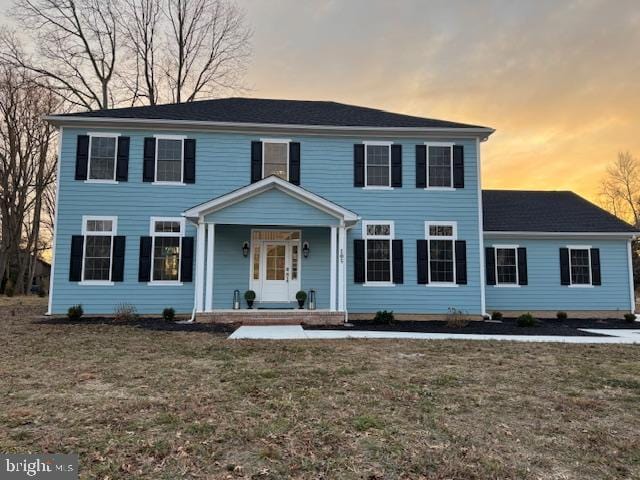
x=496, y=315
x=456, y=318
x=168, y=314
x=562, y=315
x=125, y=312
x=249, y=295
x=630, y=317
x=75, y=313
x=301, y=296
x=8, y=289
x=526, y=320
x=384, y=317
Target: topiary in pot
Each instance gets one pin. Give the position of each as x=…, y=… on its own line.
x=250, y=296
x=301, y=297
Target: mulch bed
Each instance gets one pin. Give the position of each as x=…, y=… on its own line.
x=157, y=324
x=507, y=326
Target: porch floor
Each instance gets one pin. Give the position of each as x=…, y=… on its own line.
x=272, y=317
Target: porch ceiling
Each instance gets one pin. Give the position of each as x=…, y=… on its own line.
x=271, y=201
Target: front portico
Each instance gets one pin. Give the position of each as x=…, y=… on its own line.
x=255, y=238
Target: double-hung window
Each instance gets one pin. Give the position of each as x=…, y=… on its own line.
x=580, y=265
x=103, y=150
x=439, y=165
x=377, y=164
x=441, y=238
x=506, y=264
x=378, y=236
x=98, y=248
x=275, y=158
x=169, y=159
x=166, y=247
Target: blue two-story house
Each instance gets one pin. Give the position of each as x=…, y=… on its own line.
x=181, y=205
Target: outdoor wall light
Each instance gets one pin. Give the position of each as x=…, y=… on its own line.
x=305, y=249
x=245, y=249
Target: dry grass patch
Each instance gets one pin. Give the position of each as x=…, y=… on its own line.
x=152, y=404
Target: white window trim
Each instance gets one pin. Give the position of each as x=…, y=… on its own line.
x=453, y=237
x=182, y=138
x=580, y=285
x=113, y=180
x=390, y=237
x=286, y=141
x=154, y=234
x=495, y=254
x=85, y=233
x=439, y=144
x=366, y=180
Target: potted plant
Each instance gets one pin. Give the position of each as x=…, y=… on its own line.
x=301, y=297
x=250, y=296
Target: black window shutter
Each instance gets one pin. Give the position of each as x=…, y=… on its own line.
x=75, y=266
x=490, y=265
x=189, y=173
x=461, y=262
x=122, y=163
x=186, y=260
x=565, y=276
x=82, y=157
x=358, y=165
x=421, y=166
x=117, y=264
x=396, y=165
x=294, y=163
x=522, y=266
x=149, y=160
x=595, y=267
x=458, y=166
x=144, y=265
x=398, y=261
x=358, y=261
x=256, y=161
x=423, y=261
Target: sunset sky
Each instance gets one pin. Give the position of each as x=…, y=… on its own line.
x=558, y=80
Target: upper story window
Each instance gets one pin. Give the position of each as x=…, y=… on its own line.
x=166, y=246
x=440, y=165
x=580, y=265
x=441, y=238
x=377, y=164
x=98, y=248
x=506, y=265
x=103, y=149
x=169, y=159
x=378, y=236
x=275, y=158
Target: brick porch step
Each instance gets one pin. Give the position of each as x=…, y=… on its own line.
x=272, y=317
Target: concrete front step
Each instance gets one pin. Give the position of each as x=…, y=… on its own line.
x=272, y=317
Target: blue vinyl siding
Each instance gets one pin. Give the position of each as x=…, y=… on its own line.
x=544, y=291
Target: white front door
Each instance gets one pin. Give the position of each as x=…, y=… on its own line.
x=279, y=270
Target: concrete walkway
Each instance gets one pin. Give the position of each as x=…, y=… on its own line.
x=296, y=332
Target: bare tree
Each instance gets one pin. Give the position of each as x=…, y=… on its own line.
x=620, y=190
x=27, y=172
x=75, y=48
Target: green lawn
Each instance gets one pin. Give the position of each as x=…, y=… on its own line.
x=139, y=403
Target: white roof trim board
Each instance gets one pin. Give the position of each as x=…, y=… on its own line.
x=271, y=182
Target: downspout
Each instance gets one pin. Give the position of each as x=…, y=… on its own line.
x=195, y=295
x=346, y=311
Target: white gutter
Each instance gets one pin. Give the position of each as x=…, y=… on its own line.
x=482, y=132
x=506, y=234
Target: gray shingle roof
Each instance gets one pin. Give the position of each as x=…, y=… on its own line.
x=276, y=112
x=546, y=211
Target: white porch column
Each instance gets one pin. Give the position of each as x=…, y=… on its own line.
x=342, y=271
x=333, y=260
x=211, y=238
x=200, y=250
